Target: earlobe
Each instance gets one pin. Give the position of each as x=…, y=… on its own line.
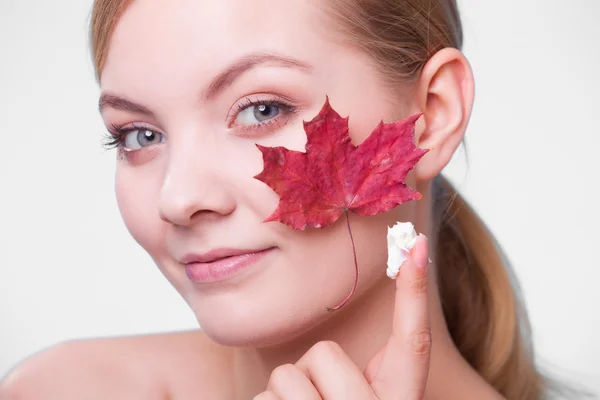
x=445, y=93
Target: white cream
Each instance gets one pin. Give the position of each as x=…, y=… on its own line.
x=400, y=239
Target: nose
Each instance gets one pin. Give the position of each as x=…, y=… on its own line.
x=193, y=189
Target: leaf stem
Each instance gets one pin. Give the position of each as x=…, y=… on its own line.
x=355, y=267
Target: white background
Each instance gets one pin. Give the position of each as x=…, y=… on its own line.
x=69, y=269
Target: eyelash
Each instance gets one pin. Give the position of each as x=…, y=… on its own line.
x=115, y=138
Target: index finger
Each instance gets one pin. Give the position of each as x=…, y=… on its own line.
x=404, y=361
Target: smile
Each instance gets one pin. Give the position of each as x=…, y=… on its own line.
x=218, y=266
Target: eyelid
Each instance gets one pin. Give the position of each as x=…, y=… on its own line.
x=118, y=129
x=259, y=98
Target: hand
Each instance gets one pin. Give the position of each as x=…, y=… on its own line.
x=399, y=369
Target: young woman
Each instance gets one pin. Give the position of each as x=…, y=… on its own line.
x=188, y=89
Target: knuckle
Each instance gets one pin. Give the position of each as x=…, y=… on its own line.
x=282, y=373
x=266, y=396
x=420, y=343
x=326, y=349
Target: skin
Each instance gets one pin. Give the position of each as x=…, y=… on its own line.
x=265, y=332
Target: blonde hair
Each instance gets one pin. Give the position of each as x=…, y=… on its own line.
x=480, y=302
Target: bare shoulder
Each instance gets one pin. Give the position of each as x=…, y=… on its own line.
x=161, y=366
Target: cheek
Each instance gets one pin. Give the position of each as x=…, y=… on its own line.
x=137, y=198
x=370, y=238
x=327, y=259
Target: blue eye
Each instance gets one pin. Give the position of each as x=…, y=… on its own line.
x=257, y=113
x=137, y=138
x=132, y=138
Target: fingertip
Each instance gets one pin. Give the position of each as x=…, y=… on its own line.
x=418, y=256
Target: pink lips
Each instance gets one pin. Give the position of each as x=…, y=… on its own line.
x=220, y=264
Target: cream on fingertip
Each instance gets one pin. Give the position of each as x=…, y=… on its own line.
x=401, y=238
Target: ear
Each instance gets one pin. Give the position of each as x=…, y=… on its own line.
x=444, y=94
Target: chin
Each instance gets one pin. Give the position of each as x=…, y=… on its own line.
x=257, y=327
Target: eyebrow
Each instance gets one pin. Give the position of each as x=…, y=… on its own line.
x=119, y=103
x=217, y=85
x=232, y=72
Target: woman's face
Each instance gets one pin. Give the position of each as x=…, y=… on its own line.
x=203, y=82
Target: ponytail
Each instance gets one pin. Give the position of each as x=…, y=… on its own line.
x=479, y=300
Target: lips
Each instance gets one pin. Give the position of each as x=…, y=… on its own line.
x=216, y=254
x=220, y=264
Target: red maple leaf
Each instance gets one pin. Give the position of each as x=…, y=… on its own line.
x=334, y=176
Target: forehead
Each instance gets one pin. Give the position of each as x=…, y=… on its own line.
x=177, y=39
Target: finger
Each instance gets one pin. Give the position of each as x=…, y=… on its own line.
x=290, y=383
x=404, y=361
x=333, y=373
x=268, y=395
x=372, y=367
